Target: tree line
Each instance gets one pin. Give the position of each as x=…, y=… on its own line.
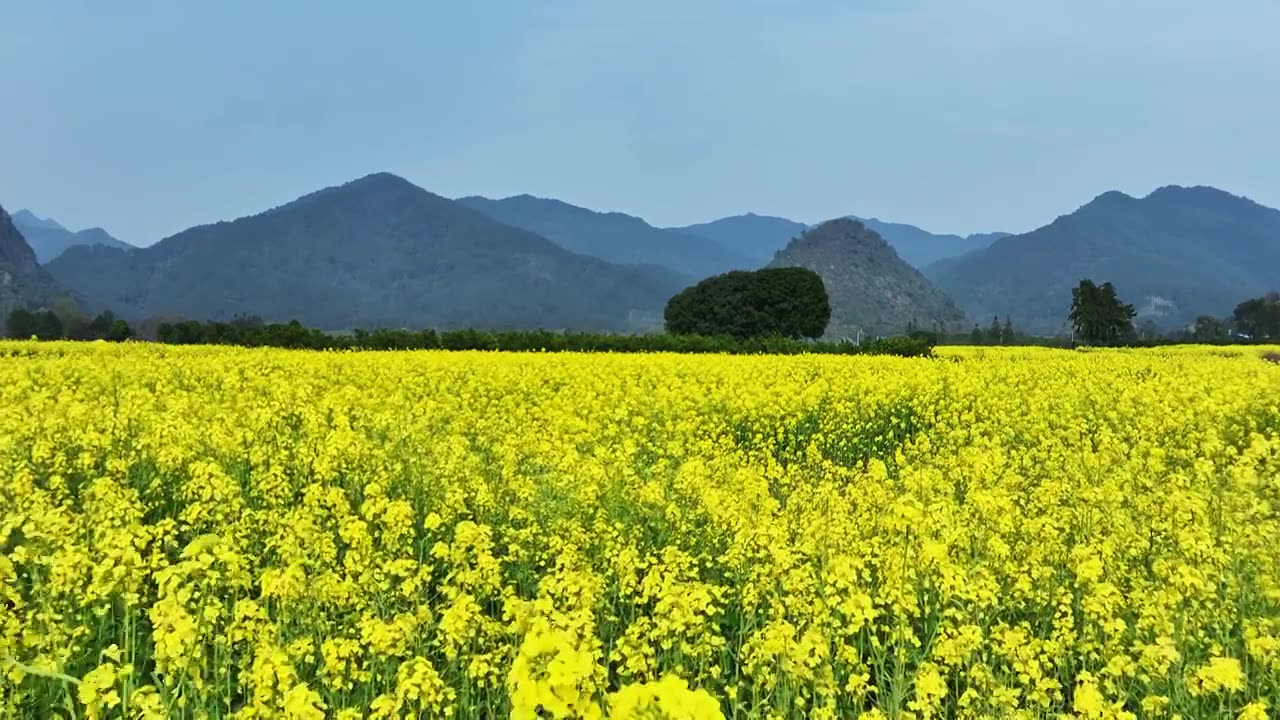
x=250, y=332
x=1099, y=317
x=51, y=325
x=774, y=311
x=997, y=333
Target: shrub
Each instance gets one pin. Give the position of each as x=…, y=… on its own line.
x=785, y=302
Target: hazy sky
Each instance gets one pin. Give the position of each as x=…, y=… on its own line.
x=148, y=117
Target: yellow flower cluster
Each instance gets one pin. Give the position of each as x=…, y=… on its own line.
x=1006, y=533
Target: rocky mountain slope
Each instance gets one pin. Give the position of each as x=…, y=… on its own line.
x=760, y=236
x=22, y=281
x=871, y=289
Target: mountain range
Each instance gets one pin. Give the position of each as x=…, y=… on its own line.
x=49, y=239
x=375, y=252
x=757, y=236
x=696, y=251
x=616, y=237
x=921, y=247
x=872, y=290
x=760, y=236
x=1175, y=254
x=380, y=251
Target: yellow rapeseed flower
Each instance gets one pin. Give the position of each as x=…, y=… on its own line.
x=1009, y=532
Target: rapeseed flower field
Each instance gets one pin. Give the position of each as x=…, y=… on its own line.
x=1014, y=533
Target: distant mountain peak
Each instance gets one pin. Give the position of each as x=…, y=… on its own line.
x=756, y=236
x=844, y=230
x=49, y=239
x=379, y=183
x=920, y=247
x=375, y=188
x=987, y=238
x=549, y=203
x=749, y=215
x=1185, y=251
x=845, y=234
x=22, y=281
x=872, y=290
x=615, y=236
x=374, y=252
x=30, y=219
x=524, y=202
x=15, y=253
x=1189, y=190
x=381, y=178
x=1205, y=196
x=1111, y=198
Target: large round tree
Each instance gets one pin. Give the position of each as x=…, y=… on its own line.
x=787, y=302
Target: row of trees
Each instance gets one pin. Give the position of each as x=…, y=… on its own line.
x=250, y=332
x=997, y=333
x=765, y=311
x=1099, y=317
x=1259, y=318
x=24, y=324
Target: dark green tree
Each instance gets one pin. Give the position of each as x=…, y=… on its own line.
x=1209, y=329
x=72, y=323
x=1007, y=335
x=1258, y=318
x=914, y=330
x=993, y=331
x=100, y=326
x=119, y=331
x=787, y=302
x=1097, y=315
x=47, y=325
x=21, y=324
x=976, y=337
x=248, y=322
x=185, y=332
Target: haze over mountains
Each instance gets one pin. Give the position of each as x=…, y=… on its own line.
x=381, y=252
x=49, y=239
x=1175, y=254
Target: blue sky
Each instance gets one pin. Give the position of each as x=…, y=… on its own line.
x=146, y=117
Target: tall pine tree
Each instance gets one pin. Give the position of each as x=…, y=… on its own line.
x=1097, y=315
